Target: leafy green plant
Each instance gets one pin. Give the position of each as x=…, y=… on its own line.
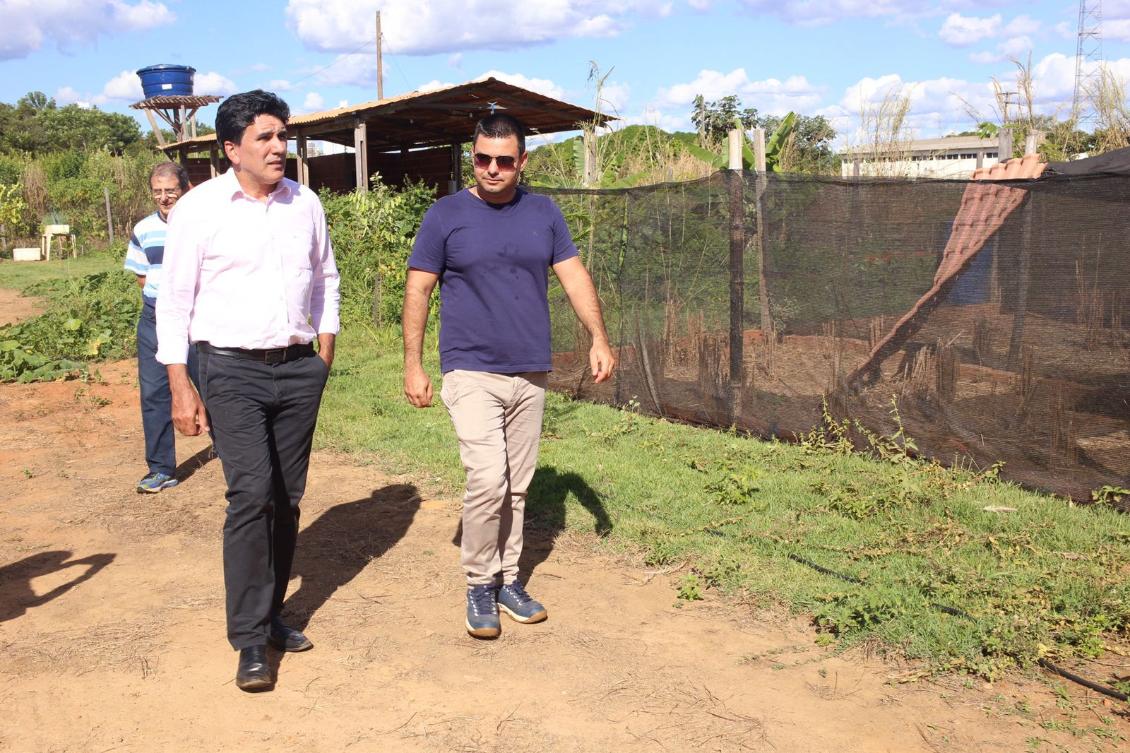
x=372, y=235
x=690, y=588
x=88, y=319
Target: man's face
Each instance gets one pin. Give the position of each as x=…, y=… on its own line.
x=260, y=155
x=165, y=190
x=497, y=167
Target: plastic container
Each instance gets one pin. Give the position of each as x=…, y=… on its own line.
x=166, y=80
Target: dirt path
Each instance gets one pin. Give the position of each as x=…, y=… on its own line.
x=112, y=634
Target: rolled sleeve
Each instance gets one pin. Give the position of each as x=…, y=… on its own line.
x=325, y=290
x=181, y=271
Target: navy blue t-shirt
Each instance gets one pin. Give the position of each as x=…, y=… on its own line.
x=493, y=264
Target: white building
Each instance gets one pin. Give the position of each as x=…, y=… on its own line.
x=949, y=157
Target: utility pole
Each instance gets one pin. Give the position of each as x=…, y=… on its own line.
x=380, y=63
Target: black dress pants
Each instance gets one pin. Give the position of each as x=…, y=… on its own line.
x=263, y=417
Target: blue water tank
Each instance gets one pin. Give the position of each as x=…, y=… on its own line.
x=166, y=80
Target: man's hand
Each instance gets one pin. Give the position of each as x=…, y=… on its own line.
x=417, y=386
x=601, y=360
x=326, y=349
x=188, y=412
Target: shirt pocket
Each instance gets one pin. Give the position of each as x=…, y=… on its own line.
x=294, y=247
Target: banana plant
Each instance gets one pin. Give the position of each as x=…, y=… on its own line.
x=773, y=148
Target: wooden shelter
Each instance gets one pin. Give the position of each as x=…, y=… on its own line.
x=416, y=136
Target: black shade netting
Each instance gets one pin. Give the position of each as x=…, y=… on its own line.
x=994, y=316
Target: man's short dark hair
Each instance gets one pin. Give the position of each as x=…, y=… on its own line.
x=240, y=110
x=170, y=170
x=499, y=126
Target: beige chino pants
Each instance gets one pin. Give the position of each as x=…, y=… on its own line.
x=497, y=419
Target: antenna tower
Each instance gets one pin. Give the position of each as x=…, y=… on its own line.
x=1088, y=59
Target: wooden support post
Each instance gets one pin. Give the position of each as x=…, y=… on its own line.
x=759, y=233
x=737, y=272
x=303, y=161
x=361, y=154
x=588, y=180
x=214, y=159
x=759, y=150
x=109, y=216
x=456, y=183
x=156, y=128
x=1016, y=341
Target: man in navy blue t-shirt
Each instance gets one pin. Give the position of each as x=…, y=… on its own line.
x=491, y=248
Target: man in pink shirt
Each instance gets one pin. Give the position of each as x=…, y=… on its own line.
x=250, y=283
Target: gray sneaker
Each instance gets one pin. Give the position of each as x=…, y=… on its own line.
x=519, y=605
x=482, y=612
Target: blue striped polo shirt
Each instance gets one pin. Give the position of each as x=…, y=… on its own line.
x=145, y=253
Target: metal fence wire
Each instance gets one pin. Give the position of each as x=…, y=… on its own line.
x=992, y=314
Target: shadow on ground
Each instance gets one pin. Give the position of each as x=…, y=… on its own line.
x=16, y=593
x=334, y=548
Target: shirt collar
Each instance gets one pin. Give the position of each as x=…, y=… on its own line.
x=232, y=183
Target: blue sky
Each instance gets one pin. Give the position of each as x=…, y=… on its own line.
x=828, y=57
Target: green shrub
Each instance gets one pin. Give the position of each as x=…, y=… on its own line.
x=87, y=319
x=372, y=237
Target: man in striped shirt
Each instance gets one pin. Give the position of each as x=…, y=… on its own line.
x=168, y=181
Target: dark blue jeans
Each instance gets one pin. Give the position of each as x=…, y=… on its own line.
x=156, y=400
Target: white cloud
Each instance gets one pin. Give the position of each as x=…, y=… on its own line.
x=279, y=85
x=142, y=15
x=411, y=27
x=614, y=97
x=455, y=60
x=700, y=5
x=126, y=86
x=1022, y=25
x=539, y=85
x=1117, y=29
x=312, y=103
x=214, y=83
x=28, y=24
x=820, y=12
x=961, y=31
x=68, y=95
x=770, y=96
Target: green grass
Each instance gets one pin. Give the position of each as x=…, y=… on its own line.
x=929, y=572
x=884, y=549
x=21, y=274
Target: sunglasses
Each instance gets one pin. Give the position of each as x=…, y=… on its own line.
x=505, y=162
x=159, y=192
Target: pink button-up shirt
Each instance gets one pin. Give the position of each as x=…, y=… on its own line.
x=241, y=273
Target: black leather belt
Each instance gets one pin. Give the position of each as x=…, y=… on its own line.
x=262, y=355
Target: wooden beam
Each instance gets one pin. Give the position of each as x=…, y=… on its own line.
x=303, y=161
x=156, y=128
x=214, y=159
x=456, y=168
x=361, y=154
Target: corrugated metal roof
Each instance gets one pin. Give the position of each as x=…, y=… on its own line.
x=435, y=117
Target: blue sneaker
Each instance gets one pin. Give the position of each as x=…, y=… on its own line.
x=482, y=612
x=519, y=605
x=155, y=482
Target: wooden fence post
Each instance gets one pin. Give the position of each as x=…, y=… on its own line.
x=109, y=216
x=737, y=271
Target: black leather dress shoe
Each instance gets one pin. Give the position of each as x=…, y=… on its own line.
x=286, y=638
x=253, y=673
